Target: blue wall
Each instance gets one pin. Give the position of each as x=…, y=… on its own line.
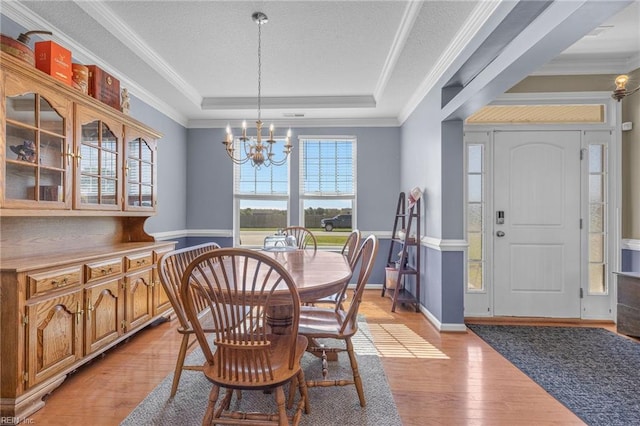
x=630, y=260
x=172, y=168
x=210, y=177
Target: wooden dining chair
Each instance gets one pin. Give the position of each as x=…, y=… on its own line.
x=241, y=288
x=304, y=238
x=338, y=323
x=351, y=247
x=171, y=266
x=350, y=252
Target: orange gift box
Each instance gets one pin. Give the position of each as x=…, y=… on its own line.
x=104, y=87
x=54, y=60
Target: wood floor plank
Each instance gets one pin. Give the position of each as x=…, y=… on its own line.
x=473, y=385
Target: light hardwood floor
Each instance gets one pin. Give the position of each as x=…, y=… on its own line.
x=441, y=379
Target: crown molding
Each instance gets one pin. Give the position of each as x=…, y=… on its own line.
x=286, y=102
x=23, y=16
x=468, y=31
x=587, y=66
x=128, y=37
x=402, y=34
x=300, y=122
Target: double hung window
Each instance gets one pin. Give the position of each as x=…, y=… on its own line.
x=261, y=197
x=328, y=187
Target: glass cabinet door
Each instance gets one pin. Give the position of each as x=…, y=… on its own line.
x=98, y=164
x=140, y=171
x=38, y=156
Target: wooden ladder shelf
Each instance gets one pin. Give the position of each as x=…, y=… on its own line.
x=408, y=243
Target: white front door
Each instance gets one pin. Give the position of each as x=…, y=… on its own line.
x=537, y=247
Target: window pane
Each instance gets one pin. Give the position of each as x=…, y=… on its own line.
x=595, y=189
x=474, y=217
x=475, y=276
x=595, y=248
x=328, y=167
x=259, y=218
x=475, y=245
x=51, y=151
x=337, y=220
x=596, y=279
x=272, y=180
x=595, y=218
x=475, y=159
x=475, y=188
x=595, y=158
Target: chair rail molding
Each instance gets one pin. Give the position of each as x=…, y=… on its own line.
x=630, y=244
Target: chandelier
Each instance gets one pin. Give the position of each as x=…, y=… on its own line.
x=253, y=149
x=621, y=88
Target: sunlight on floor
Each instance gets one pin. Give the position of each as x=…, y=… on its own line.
x=399, y=341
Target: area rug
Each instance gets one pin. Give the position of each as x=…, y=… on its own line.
x=592, y=371
x=329, y=405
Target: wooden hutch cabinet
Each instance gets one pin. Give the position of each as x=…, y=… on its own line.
x=78, y=271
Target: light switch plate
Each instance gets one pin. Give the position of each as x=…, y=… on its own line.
x=627, y=125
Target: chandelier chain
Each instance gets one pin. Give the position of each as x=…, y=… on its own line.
x=259, y=68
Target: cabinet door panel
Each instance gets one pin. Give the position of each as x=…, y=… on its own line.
x=138, y=298
x=99, y=162
x=105, y=312
x=140, y=171
x=38, y=137
x=54, y=335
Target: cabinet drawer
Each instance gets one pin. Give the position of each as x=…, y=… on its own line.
x=98, y=270
x=138, y=261
x=45, y=282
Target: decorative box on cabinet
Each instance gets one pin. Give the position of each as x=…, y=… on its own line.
x=77, y=269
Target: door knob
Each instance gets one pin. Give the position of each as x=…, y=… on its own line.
x=500, y=234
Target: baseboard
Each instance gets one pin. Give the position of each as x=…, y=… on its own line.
x=442, y=327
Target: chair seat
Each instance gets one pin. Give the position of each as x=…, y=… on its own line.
x=316, y=322
x=279, y=365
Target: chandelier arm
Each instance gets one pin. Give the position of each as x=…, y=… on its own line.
x=279, y=162
x=236, y=160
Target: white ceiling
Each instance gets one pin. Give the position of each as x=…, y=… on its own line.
x=347, y=61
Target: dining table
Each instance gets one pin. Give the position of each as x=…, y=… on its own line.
x=316, y=274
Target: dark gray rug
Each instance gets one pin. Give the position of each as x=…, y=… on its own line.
x=592, y=371
x=329, y=406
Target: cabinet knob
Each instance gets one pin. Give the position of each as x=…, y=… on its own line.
x=60, y=283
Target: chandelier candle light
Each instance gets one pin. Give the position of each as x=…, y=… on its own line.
x=253, y=149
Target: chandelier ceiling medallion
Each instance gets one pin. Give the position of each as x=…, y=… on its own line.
x=243, y=148
x=621, y=88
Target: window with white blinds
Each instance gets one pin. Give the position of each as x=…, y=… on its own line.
x=272, y=180
x=328, y=185
x=261, y=197
x=328, y=166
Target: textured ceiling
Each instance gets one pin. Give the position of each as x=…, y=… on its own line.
x=340, y=60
